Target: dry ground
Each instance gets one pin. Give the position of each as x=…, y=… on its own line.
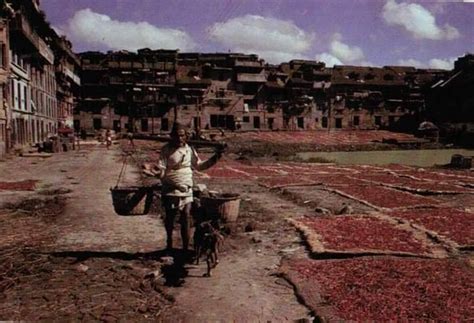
x=65, y=254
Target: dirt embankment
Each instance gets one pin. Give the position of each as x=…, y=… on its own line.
x=284, y=150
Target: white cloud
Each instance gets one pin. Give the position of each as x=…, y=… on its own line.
x=329, y=59
x=276, y=57
x=341, y=53
x=438, y=63
x=89, y=27
x=451, y=32
x=411, y=62
x=345, y=52
x=368, y=63
x=444, y=64
x=417, y=20
x=273, y=39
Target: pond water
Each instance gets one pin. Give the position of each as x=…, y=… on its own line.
x=421, y=158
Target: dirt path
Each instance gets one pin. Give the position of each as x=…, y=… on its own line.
x=244, y=286
x=90, y=223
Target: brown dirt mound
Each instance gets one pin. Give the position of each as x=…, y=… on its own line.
x=45, y=207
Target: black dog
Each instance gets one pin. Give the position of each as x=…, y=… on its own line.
x=207, y=238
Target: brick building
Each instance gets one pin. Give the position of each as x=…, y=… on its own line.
x=37, y=71
x=4, y=84
x=32, y=97
x=67, y=67
x=127, y=91
x=366, y=97
x=451, y=101
x=240, y=92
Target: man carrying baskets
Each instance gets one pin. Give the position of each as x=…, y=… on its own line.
x=176, y=163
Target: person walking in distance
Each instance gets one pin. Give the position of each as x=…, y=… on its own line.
x=108, y=139
x=177, y=162
x=130, y=139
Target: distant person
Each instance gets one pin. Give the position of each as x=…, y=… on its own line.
x=77, y=138
x=72, y=140
x=177, y=162
x=108, y=139
x=130, y=138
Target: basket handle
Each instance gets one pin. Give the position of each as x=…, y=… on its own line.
x=122, y=171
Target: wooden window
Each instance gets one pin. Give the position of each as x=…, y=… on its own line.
x=256, y=122
x=164, y=124
x=300, y=122
x=270, y=123
x=324, y=122
x=3, y=55
x=144, y=124
x=214, y=121
x=391, y=121
x=378, y=120
x=97, y=123
x=222, y=121
x=18, y=88
x=356, y=121
x=25, y=97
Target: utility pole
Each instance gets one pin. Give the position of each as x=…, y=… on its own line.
x=129, y=104
x=198, y=121
x=153, y=116
x=175, y=109
x=153, y=112
x=329, y=115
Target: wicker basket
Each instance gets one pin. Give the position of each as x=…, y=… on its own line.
x=132, y=200
x=225, y=206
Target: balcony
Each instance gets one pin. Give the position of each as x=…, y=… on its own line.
x=45, y=52
x=19, y=71
x=71, y=75
x=21, y=26
x=69, y=53
x=220, y=100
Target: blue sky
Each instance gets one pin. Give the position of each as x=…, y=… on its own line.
x=353, y=32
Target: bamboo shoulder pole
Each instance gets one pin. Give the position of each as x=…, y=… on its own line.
x=196, y=143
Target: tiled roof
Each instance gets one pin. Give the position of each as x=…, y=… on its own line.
x=360, y=75
x=248, y=77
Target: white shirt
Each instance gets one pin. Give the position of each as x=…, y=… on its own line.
x=177, y=165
